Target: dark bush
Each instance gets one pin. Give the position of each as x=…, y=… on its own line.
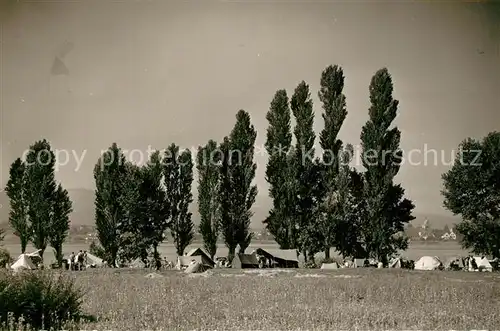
x=97, y=250
x=38, y=301
x=5, y=257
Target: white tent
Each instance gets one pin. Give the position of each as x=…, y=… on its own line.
x=428, y=263
x=483, y=264
x=35, y=253
x=186, y=261
x=396, y=263
x=23, y=263
x=94, y=261
x=194, y=267
x=330, y=266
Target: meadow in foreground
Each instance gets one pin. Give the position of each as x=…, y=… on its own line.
x=366, y=299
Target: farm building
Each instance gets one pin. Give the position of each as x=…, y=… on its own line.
x=206, y=260
x=279, y=258
x=245, y=261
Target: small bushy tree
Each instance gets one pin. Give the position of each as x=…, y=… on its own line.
x=472, y=190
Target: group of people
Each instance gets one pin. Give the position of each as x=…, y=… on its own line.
x=78, y=261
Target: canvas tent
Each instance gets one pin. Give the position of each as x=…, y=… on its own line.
x=359, y=263
x=185, y=261
x=330, y=266
x=454, y=263
x=23, y=263
x=35, y=253
x=396, y=263
x=195, y=267
x=428, y=263
x=206, y=260
x=245, y=261
x=136, y=264
x=279, y=258
x=483, y=264
x=94, y=261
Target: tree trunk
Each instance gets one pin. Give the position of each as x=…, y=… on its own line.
x=231, y=253
x=24, y=243
x=41, y=253
x=156, y=257
x=114, y=254
x=327, y=253
x=59, y=255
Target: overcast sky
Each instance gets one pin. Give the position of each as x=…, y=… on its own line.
x=149, y=73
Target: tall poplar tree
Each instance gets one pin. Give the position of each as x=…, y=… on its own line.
x=278, y=143
x=237, y=193
x=59, y=225
x=40, y=190
x=178, y=172
x=109, y=173
x=305, y=170
x=207, y=164
x=243, y=168
x=386, y=209
x=335, y=112
x=18, y=213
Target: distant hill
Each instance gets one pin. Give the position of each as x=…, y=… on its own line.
x=83, y=211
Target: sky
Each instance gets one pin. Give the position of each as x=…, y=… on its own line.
x=150, y=73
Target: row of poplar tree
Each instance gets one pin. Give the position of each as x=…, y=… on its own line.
x=319, y=202
x=39, y=206
x=322, y=202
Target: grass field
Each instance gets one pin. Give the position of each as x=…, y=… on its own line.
x=443, y=250
x=294, y=299
x=355, y=299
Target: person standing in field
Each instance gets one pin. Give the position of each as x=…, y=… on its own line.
x=85, y=259
x=79, y=260
x=71, y=261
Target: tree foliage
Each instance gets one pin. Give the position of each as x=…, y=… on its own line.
x=228, y=226
x=59, y=226
x=305, y=172
x=155, y=204
x=278, y=143
x=471, y=190
x=109, y=172
x=178, y=171
x=134, y=225
x=208, y=158
x=385, y=210
x=345, y=208
x=236, y=192
x=335, y=112
x=242, y=142
x=40, y=189
x=18, y=214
